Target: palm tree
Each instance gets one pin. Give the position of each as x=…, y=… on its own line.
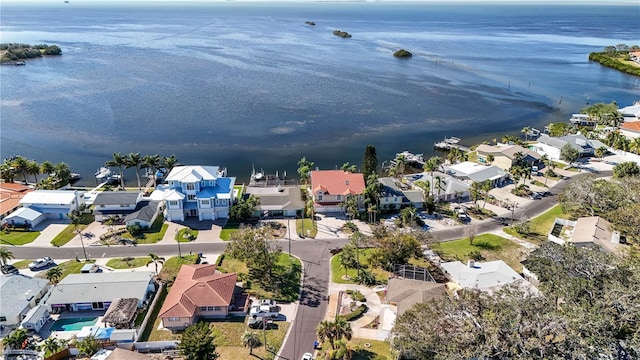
x=133, y=160
x=634, y=145
x=343, y=351
x=425, y=186
x=490, y=158
x=548, y=164
x=47, y=168
x=348, y=167
x=440, y=184
x=475, y=190
x=20, y=164
x=399, y=167
x=152, y=162
x=326, y=330
x=155, y=259
x=54, y=274
x=15, y=339
x=343, y=328
x=5, y=255
x=304, y=169
x=250, y=339
x=168, y=163
x=526, y=130
x=486, y=187
x=599, y=152
x=63, y=173
x=350, y=206
x=432, y=165
x=51, y=345
x=118, y=161
x=33, y=168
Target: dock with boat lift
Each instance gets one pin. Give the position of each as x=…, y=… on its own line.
x=450, y=143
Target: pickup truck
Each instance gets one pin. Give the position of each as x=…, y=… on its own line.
x=265, y=311
x=41, y=263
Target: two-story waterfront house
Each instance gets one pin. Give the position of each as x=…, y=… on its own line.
x=332, y=187
x=204, y=192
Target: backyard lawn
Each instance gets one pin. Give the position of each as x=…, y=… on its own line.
x=490, y=246
x=540, y=226
x=17, y=237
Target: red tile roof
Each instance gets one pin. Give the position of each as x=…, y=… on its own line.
x=337, y=182
x=10, y=195
x=631, y=126
x=198, y=285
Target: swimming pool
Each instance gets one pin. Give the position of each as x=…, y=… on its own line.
x=73, y=324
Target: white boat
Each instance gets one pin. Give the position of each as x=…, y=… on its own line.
x=103, y=174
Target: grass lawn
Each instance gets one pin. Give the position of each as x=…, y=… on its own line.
x=180, y=236
x=172, y=266
x=18, y=237
x=69, y=232
x=228, y=338
x=22, y=264
x=228, y=229
x=306, y=225
x=286, y=284
x=128, y=263
x=539, y=226
x=67, y=267
x=375, y=350
x=492, y=247
x=151, y=236
x=338, y=272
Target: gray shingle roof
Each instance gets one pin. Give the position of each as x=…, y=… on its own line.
x=145, y=213
x=13, y=289
x=116, y=198
x=100, y=287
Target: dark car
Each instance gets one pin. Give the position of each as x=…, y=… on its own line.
x=9, y=269
x=259, y=323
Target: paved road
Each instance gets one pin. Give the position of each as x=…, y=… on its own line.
x=315, y=255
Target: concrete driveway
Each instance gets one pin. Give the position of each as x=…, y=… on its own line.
x=49, y=229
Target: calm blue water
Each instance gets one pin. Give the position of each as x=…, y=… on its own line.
x=236, y=84
x=73, y=324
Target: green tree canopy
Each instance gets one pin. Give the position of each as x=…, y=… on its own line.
x=197, y=343
x=369, y=162
x=244, y=207
x=624, y=169
x=569, y=154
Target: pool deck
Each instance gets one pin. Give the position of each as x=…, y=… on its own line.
x=46, y=331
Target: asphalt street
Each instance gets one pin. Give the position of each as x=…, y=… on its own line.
x=314, y=254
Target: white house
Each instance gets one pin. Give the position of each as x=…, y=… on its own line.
x=471, y=172
x=552, y=146
x=631, y=113
x=452, y=188
x=96, y=291
x=18, y=295
x=391, y=196
x=36, y=318
x=204, y=192
x=115, y=203
x=485, y=276
x=24, y=216
x=53, y=204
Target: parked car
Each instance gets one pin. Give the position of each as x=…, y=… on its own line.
x=41, y=263
x=259, y=323
x=265, y=311
x=9, y=269
x=267, y=302
x=307, y=356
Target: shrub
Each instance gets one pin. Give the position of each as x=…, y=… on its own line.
x=357, y=312
x=134, y=230
x=356, y=295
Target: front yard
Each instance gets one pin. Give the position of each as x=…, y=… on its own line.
x=489, y=246
x=540, y=226
x=340, y=276
x=17, y=237
x=70, y=231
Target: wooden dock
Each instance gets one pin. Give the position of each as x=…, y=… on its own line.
x=450, y=143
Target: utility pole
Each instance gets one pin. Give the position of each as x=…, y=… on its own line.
x=178, y=240
x=289, y=236
x=83, y=249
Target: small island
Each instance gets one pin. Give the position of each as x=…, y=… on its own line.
x=310, y=23
x=402, y=53
x=13, y=53
x=342, y=34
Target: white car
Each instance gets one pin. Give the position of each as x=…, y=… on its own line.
x=267, y=302
x=265, y=311
x=307, y=356
x=41, y=263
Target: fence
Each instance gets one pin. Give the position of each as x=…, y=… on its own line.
x=413, y=272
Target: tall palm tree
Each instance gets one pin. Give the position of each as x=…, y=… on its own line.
x=5, y=255
x=348, y=167
x=152, y=162
x=486, y=187
x=33, y=168
x=475, y=190
x=343, y=351
x=51, y=345
x=20, y=164
x=118, y=161
x=133, y=160
x=526, y=130
x=63, y=173
x=326, y=331
x=47, y=168
x=304, y=169
x=155, y=259
x=168, y=163
x=550, y=165
x=432, y=165
x=54, y=274
x=440, y=184
x=343, y=328
x=251, y=340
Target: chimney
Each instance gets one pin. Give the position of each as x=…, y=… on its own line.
x=471, y=263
